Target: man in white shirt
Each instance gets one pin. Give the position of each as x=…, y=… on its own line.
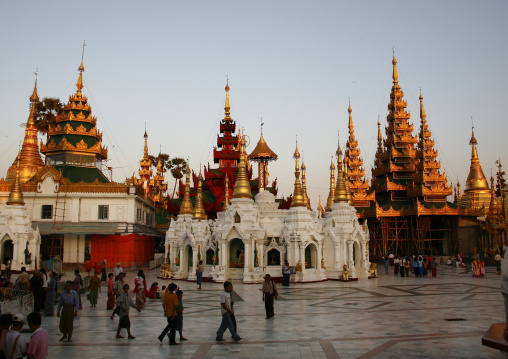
x=15, y=345
x=117, y=271
x=227, y=311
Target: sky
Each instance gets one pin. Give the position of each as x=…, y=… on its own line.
x=295, y=64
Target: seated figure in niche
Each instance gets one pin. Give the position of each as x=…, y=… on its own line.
x=273, y=258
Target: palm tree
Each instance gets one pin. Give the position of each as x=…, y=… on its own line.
x=178, y=168
x=165, y=161
x=46, y=112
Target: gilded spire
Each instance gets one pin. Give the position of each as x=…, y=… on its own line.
x=459, y=193
x=199, y=210
x=242, y=184
x=476, y=180
x=346, y=182
x=226, y=193
x=379, y=137
x=320, y=208
x=81, y=68
x=304, y=186
x=395, y=73
x=331, y=194
x=423, y=116
x=340, y=188
x=227, y=108
x=186, y=206
x=350, y=126
x=16, y=195
x=298, y=196
x=29, y=157
x=493, y=208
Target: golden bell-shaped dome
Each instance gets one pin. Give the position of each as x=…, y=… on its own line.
x=186, y=206
x=242, y=184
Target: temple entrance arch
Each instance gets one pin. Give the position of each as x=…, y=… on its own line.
x=236, y=253
x=7, y=249
x=357, y=254
x=186, y=261
x=311, y=256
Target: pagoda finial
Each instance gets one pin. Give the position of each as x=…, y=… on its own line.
x=227, y=108
x=379, y=136
x=81, y=68
x=242, y=184
x=186, y=206
x=473, y=143
x=331, y=193
x=262, y=123
x=340, y=188
x=34, y=97
x=16, y=195
x=351, y=129
x=298, y=196
x=395, y=73
x=304, y=186
x=423, y=116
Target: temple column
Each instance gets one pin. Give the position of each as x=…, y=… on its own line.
x=302, y=256
x=171, y=258
x=319, y=257
x=247, y=254
x=337, y=256
x=350, y=254
x=224, y=262
x=181, y=259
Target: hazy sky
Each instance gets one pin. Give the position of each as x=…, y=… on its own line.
x=293, y=63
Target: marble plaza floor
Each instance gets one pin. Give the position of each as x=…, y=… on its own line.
x=388, y=317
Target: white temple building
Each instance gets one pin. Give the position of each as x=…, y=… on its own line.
x=253, y=237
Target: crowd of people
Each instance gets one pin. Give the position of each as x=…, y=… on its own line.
x=416, y=265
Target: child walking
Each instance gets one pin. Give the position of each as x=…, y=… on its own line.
x=124, y=302
x=179, y=314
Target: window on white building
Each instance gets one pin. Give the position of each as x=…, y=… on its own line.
x=138, y=215
x=103, y=212
x=47, y=211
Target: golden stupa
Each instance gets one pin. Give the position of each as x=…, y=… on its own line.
x=29, y=157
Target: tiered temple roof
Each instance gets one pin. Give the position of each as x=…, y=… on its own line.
x=226, y=153
x=358, y=185
x=74, y=144
x=428, y=183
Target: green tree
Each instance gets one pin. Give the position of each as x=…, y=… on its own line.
x=178, y=168
x=165, y=161
x=46, y=112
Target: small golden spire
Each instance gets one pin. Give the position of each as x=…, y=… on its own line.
x=459, y=193
x=395, y=73
x=320, y=208
x=242, y=185
x=331, y=193
x=199, y=209
x=493, y=208
x=422, y=109
x=304, y=186
x=186, y=206
x=16, y=195
x=298, y=196
x=379, y=136
x=226, y=193
x=346, y=182
x=476, y=180
x=227, y=108
x=81, y=68
x=351, y=129
x=340, y=188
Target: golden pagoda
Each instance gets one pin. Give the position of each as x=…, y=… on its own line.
x=16, y=194
x=331, y=193
x=340, y=188
x=186, y=206
x=477, y=193
x=304, y=186
x=357, y=185
x=29, y=156
x=158, y=186
x=199, y=209
x=262, y=154
x=74, y=145
x=242, y=184
x=145, y=168
x=428, y=182
x=298, y=199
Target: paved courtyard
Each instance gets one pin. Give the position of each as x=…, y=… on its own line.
x=388, y=317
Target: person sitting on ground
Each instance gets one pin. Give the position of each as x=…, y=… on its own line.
x=154, y=288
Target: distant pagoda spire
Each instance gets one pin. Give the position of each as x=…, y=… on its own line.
x=493, y=207
x=157, y=184
x=81, y=69
x=298, y=196
x=321, y=210
x=145, y=166
x=340, y=188
x=227, y=107
x=353, y=168
x=242, y=184
x=331, y=193
x=16, y=195
x=428, y=183
x=29, y=157
x=304, y=186
x=226, y=153
x=199, y=209
x=186, y=206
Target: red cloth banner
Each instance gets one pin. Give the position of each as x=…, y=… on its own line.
x=131, y=248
